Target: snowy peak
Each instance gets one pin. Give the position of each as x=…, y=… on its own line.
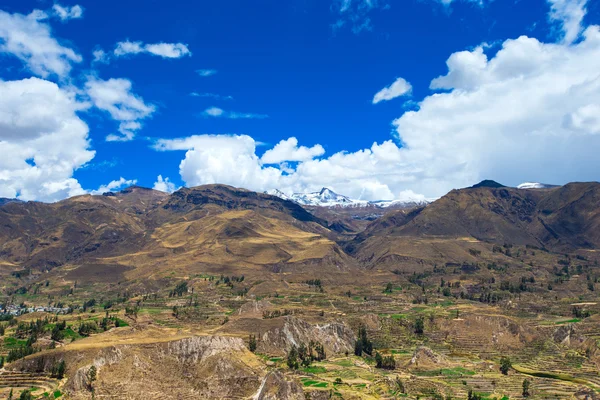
x=535, y=185
x=278, y=193
x=328, y=198
x=325, y=198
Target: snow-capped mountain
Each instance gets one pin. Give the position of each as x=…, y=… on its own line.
x=324, y=198
x=328, y=198
x=535, y=185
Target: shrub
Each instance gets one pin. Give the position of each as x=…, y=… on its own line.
x=252, y=343
x=419, y=326
x=505, y=365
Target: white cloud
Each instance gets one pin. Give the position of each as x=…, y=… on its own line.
x=213, y=112
x=42, y=141
x=127, y=47
x=100, y=56
x=211, y=95
x=164, y=185
x=288, y=150
x=206, y=72
x=529, y=109
x=569, y=14
x=232, y=159
x=533, y=108
x=66, y=13
x=165, y=50
x=29, y=39
x=217, y=112
x=118, y=184
x=115, y=97
x=221, y=159
x=400, y=87
x=168, y=50
x=409, y=195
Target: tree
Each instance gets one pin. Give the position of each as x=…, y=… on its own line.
x=505, y=365
x=526, y=384
x=10, y=395
x=363, y=344
x=57, y=333
x=320, y=352
x=378, y=360
x=25, y=395
x=91, y=377
x=419, y=326
x=358, y=348
x=58, y=370
x=389, y=288
x=252, y=343
x=292, y=358
x=1, y=362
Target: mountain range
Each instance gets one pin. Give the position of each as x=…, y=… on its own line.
x=144, y=236
x=328, y=198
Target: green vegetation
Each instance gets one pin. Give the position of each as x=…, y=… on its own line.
x=505, y=365
x=363, y=344
x=252, y=343
x=526, y=385
x=314, y=370
x=419, y=325
x=387, y=362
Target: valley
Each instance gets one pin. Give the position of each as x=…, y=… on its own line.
x=218, y=292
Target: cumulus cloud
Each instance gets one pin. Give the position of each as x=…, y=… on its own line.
x=217, y=112
x=569, y=14
x=229, y=159
x=206, y=72
x=400, y=87
x=232, y=159
x=113, y=185
x=115, y=97
x=530, y=108
x=42, y=141
x=164, y=185
x=288, y=150
x=66, y=13
x=165, y=50
x=30, y=39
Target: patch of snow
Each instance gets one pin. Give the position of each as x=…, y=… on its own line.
x=534, y=185
x=328, y=198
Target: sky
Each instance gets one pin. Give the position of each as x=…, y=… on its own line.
x=375, y=99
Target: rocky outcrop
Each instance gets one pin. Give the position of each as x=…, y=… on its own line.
x=275, y=387
x=335, y=337
x=425, y=357
x=198, y=349
x=198, y=367
x=254, y=308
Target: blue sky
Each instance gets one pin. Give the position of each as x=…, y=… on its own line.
x=268, y=71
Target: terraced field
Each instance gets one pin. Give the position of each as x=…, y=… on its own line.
x=39, y=384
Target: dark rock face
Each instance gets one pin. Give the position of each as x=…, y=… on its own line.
x=487, y=183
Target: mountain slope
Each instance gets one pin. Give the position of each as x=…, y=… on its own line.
x=566, y=217
x=140, y=232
